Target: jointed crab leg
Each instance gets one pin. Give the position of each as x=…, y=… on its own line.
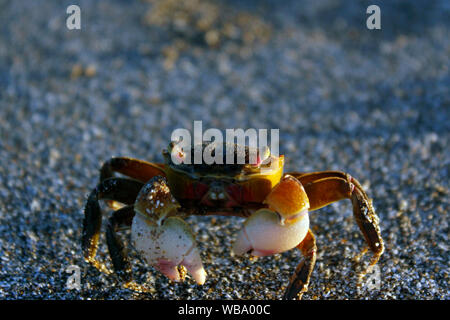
x=117, y=189
x=326, y=187
x=307, y=177
x=117, y=251
x=300, y=279
x=134, y=168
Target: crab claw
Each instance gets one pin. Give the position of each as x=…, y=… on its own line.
x=165, y=240
x=264, y=235
x=168, y=246
x=280, y=227
x=289, y=199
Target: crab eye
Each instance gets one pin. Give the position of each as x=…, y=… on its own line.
x=264, y=154
x=177, y=154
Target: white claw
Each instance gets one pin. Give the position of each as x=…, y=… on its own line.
x=167, y=246
x=193, y=264
x=263, y=234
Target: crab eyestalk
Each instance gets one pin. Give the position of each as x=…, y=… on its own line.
x=163, y=239
x=175, y=152
x=281, y=226
x=263, y=155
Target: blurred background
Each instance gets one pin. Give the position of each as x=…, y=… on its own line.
x=373, y=103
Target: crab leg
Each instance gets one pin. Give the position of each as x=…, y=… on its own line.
x=117, y=189
x=161, y=236
x=117, y=251
x=307, y=177
x=133, y=168
x=300, y=279
x=326, y=187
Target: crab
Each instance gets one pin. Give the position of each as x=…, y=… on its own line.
x=154, y=198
